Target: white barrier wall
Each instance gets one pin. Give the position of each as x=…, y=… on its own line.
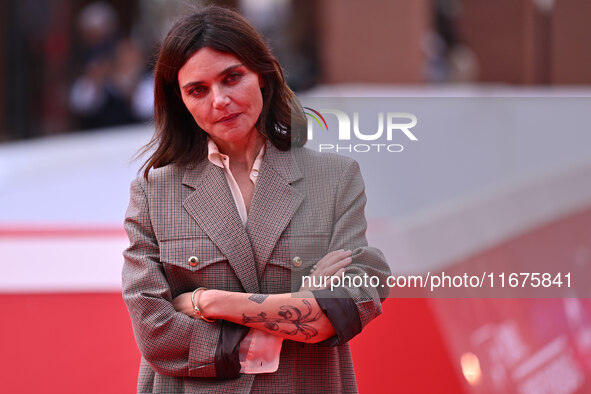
x=482, y=171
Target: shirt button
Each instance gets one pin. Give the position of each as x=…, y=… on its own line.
x=255, y=173
x=193, y=261
x=297, y=261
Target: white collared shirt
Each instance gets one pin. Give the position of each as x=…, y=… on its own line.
x=223, y=161
x=259, y=352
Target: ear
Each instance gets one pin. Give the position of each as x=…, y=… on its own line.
x=261, y=82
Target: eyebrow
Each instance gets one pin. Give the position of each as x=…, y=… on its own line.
x=225, y=71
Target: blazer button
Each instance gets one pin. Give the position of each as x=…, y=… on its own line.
x=297, y=261
x=193, y=261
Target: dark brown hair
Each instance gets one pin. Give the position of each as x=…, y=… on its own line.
x=177, y=138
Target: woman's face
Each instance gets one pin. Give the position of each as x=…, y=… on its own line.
x=222, y=94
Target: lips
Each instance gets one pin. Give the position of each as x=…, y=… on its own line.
x=228, y=119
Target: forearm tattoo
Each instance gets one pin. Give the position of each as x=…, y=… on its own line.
x=290, y=315
x=258, y=298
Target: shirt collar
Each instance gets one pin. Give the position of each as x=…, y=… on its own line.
x=217, y=158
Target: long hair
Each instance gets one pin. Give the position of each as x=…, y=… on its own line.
x=177, y=137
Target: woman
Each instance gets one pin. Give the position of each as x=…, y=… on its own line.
x=228, y=216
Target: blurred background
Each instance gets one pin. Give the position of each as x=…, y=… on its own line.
x=70, y=66
x=76, y=105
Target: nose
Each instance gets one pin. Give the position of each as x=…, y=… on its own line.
x=220, y=97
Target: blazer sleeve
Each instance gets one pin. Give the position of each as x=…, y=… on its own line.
x=171, y=342
x=348, y=307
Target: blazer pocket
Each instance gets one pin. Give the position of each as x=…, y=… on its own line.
x=299, y=252
x=193, y=254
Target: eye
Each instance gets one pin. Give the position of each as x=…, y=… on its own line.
x=233, y=77
x=197, y=91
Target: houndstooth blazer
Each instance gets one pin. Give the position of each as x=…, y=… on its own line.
x=305, y=204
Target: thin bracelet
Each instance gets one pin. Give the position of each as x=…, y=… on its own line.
x=196, y=307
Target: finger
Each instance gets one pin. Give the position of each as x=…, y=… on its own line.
x=331, y=262
x=177, y=303
x=335, y=267
x=332, y=258
x=327, y=265
x=335, y=253
x=340, y=272
x=330, y=255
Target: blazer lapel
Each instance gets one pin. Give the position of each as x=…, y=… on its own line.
x=273, y=204
x=211, y=205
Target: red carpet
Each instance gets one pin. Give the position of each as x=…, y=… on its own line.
x=67, y=343
x=83, y=343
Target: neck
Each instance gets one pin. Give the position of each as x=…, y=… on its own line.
x=243, y=152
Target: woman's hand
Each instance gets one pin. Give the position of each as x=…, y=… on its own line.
x=182, y=303
x=333, y=264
